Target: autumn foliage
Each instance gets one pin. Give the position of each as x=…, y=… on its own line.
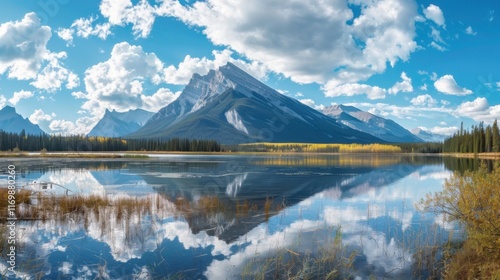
x=473, y=199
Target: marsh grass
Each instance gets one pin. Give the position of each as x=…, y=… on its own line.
x=36, y=206
x=332, y=260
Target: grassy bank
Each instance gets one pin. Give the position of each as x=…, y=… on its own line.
x=473, y=200
x=493, y=156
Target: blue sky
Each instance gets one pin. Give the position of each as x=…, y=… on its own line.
x=429, y=64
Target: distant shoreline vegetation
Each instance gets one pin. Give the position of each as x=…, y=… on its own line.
x=313, y=148
x=15, y=143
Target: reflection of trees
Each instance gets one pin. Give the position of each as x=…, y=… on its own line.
x=462, y=164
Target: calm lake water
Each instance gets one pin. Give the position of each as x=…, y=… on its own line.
x=223, y=217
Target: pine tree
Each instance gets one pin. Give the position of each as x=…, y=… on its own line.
x=495, y=138
x=488, y=141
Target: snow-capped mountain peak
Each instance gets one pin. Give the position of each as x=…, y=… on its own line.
x=384, y=129
x=233, y=107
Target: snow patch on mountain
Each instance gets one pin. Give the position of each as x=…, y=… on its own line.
x=234, y=119
x=385, y=129
x=217, y=84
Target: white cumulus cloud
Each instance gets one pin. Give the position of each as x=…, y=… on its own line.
x=23, y=46
x=470, y=31
x=312, y=41
x=372, y=92
x=159, y=99
x=84, y=28
x=181, y=74
x=122, y=12
x=479, y=110
x=54, y=74
x=424, y=100
x=3, y=100
x=24, y=55
x=117, y=83
x=437, y=46
x=311, y=103
x=39, y=116
x=447, y=85
x=435, y=14
x=443, y=130
x=18, y=95
x=351, y=89
x=403, y=86
x=66, y=34
x=81, y=126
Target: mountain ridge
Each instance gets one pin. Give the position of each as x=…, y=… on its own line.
x=242, y=109
x=11, y=121
x=118, y=124
x=385, y=129
x=428, y=136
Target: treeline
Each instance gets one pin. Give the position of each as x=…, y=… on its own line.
x=313, y=148
x=58, y=143
x=425, y=147
x=479, y=139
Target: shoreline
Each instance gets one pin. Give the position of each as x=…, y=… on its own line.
x=146, y=155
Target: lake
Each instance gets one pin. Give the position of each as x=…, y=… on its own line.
x=231, y=217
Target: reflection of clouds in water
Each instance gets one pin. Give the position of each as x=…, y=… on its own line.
x=441, y=220
x=181, y=230
x=258, y=241
x=65, y=268
x=435, y=176
x=261, y=242
x=78, y=181
x=130, y=239
x=410, y=189
x=381, y=253
x=234, y=186
x=374, y=245
x=134, y=235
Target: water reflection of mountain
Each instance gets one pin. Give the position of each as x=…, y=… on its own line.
x=277, y=186
x=217, y=212
x=268, y=184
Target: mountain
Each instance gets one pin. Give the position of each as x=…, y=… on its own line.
x=230, y=106
x=11, y=121
x=116, y=124
x=428, y=136
x=384, y=129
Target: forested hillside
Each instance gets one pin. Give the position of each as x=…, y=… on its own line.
x=479, y=139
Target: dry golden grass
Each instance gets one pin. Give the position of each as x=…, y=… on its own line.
x=472, y=199
x=321, y=148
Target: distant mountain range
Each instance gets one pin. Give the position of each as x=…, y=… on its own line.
x=230, y=106
x=428, y=136
x=116, y=124
x=11, y=121
x=385, y=129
